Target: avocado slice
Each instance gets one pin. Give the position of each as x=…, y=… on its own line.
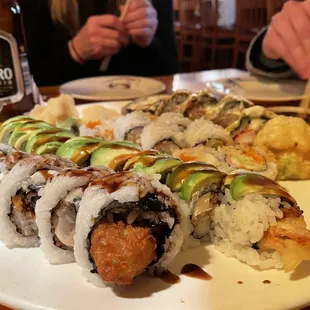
x=184, y=171
x=41, y=137
x=18, y=118
x=114, y=154
x=254, y=183
x=199, y=181
x=25, y=130
x=79, y=149
x=70, y=124
x=6, y=130
x=162, y=165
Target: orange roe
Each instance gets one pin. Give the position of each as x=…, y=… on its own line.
x=186, y=157
x=93, y=125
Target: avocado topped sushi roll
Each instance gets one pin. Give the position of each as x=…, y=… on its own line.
x=114, y=154
x=80, y=149
x=132, y=220
x=199, y=185
x=259, y=223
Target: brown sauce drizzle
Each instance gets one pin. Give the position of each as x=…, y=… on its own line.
x=267, y=282
x=194, y=271
x=43, y=140
x=170, y=277
x=46, y=174
x=85, y=150
x=240, y=282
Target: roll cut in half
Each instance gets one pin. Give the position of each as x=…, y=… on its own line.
x=57, y=209
x=128, y=223
x=18, y=197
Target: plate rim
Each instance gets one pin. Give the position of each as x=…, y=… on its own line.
x=210, y=86
x=161, y=88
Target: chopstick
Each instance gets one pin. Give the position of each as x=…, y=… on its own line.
x=305, y=102
x=290, y=109
x=106, y=62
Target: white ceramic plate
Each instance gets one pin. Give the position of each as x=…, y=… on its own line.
x=112, y=88
x=28, y=282
x=258, y=89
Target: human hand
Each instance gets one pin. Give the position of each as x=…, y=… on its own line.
x=141, y=22
x=100, y=36
x=288, y=37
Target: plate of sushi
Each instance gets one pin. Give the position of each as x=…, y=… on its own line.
x=174, y=202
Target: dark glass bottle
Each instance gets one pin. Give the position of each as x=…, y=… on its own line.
x=16, y=91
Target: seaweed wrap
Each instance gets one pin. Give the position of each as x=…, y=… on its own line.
x=127, y=224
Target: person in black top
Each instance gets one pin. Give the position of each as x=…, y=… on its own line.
x=282, y=50
x=67, y=39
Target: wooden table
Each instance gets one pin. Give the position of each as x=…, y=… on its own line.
x=192, y=81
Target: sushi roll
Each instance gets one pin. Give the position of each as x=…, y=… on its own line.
x=199, y=185
x=131, y=220
x=47, y=140
x=130, y=126
x=56, y=212
x=205, y=132
x=228, y=110
x=177, y=102
x=9, y=125
x=233, y=159
x=152, y=162
x=80, y=149
x=8, y=158
x=19, y=192
x=250, y=122
x=199, y=104
x=114, y=155
x=165, y=134
x=150, y=105
x=260, y=223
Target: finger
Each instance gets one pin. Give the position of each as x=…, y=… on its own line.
x=301, y=25
x=294, y=51
x=104, y=42
x=139, y=4
x=141, y=32
x=143, y=13
x=271, y=41
x=106, y=33
x=104, y=21
x=141, y=23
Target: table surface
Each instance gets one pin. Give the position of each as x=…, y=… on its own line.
x=193, y=81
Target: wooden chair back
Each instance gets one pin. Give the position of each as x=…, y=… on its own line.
x=208, y=13
x=189, y=13
x=251, y=14
x=273, y=7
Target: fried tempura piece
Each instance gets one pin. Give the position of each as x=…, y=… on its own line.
x=121, y=252
x=291, y=239
x=288, y=138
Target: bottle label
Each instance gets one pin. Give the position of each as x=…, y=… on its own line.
x=8, y=81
